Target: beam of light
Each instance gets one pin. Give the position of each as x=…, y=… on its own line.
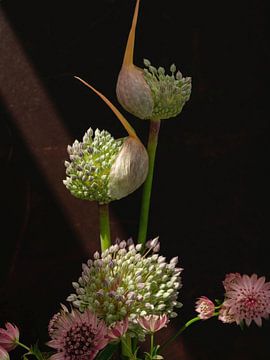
x=43, y=131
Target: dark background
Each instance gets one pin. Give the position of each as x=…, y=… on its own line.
x=209, y=202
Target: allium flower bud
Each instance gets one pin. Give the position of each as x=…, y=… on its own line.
x=102, y=168
x=150, y=93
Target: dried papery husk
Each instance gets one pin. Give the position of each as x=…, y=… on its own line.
x=133, y=92
x=128, y=171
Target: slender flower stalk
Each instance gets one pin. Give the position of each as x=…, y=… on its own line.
x=147, y=187
x=182, y=329
x=104, y=226
x=25, y=347
x=179, y=332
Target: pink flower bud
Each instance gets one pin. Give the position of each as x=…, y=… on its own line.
x=3, y=354
x=119, y=329
x=153, y=323
x=9, y=336
x=205, y=307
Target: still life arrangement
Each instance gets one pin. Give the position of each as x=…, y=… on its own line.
x=127, y=290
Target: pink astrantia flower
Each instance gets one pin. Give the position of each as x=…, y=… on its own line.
x=4, y=354
x=9, y=336
x=77, y=336
x=247, y=299
x=231, y=279
x=225, y=316
x=153, y=323
x=205, y=307
x=117, y=330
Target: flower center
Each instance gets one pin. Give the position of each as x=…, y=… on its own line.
x=250, y=302
x=78, y=342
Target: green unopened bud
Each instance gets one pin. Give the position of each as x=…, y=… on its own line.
x=102, y=168
x=149, y=93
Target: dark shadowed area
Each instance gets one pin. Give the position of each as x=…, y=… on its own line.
x=209, y=203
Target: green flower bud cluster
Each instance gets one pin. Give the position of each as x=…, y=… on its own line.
x=124, y=282
x=169, y=92
x=90, y=163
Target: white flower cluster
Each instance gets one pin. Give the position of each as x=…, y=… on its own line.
x=90, y=165
x=169, y=92
x=123, y=282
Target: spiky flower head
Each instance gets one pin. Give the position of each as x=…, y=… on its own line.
x=90, y=163
x=122, y=282
x=247, y=299
x=150, y=93
x=102, y=168
x=76, y=335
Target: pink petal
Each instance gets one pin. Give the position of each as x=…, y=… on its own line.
x=258, y=321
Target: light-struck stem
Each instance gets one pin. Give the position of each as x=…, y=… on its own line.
x=104, y=226
x=147, y=187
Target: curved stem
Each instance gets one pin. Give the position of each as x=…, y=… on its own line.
x=147, y=187
x=184, y=327
x=23, y=346
x=104, y=226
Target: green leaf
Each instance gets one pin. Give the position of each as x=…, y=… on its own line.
x=242, y=325
x=218, y=301
x=107, y=352
x=38, y=354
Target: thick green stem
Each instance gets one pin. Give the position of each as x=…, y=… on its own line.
x=147, y=187
x=152, y=344
x=104, y=226
x=126, y=347
x=187, y=324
